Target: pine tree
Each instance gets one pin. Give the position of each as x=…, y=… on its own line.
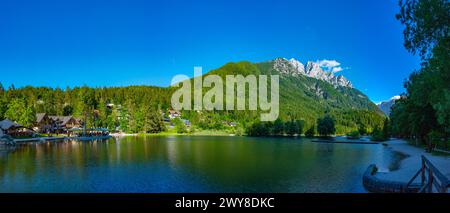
x=103, y=113
x=124, y=120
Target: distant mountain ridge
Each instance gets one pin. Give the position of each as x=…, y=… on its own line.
x=386, y=106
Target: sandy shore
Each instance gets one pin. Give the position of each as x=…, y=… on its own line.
x=410, y=165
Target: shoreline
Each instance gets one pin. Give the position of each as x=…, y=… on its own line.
x=169, y=133
x=412, y=163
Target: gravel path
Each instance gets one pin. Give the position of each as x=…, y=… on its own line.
x=410, y=165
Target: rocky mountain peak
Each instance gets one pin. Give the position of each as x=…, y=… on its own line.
x=294, y=67
x=289, y=67
x=297, y=65
x=313, y=70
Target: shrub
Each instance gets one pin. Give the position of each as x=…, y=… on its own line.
x=311, y=131
x=239, y=131
x=180, y=127
x=354, y=135
x=325, y=126
x=377, y=135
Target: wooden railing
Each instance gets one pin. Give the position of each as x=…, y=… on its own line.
x=432, y=180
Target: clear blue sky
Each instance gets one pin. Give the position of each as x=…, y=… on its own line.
x=117, y=43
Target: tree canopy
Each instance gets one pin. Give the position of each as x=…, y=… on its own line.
x=326, y=126
x=425, y=107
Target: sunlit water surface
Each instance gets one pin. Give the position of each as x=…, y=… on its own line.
x=190, y=164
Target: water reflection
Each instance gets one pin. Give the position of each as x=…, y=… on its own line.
x=189, y=164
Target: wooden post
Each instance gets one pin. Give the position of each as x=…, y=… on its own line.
x=430, y=180
x=443, y=188
x=423, y=171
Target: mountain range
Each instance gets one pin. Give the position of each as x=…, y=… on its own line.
x=385, y=106
x=312, y=69
x=308, y=92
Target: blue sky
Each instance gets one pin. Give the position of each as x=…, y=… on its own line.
x=118, y=43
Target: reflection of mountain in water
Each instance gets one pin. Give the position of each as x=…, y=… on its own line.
x=189, y=164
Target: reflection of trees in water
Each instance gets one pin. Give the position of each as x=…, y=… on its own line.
x=5, y=149
x=324, y=148
x=197, y=163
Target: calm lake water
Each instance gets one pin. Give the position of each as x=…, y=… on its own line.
x=190, y=164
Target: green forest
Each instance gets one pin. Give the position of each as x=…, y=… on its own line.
x=423, y=112
x=138, y=109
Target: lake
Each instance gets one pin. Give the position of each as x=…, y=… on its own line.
x=190, y=164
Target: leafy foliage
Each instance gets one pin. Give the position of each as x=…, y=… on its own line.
x=180, y=127
x=354, y=135
x=277, y=128
x=20, y=113
x=425, y=107
x=426, y=24
x=325, y=126
x=311, y=131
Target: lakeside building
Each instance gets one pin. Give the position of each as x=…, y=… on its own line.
x=54, y=124
x=62, y=123
x=14, y=129
x=43, y=123
x=174, y=114
x=7, y=126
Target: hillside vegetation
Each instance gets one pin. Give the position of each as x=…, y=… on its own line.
x=302, y=99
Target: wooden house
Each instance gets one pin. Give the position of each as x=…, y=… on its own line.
x=43, y=123
x=62, y=123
